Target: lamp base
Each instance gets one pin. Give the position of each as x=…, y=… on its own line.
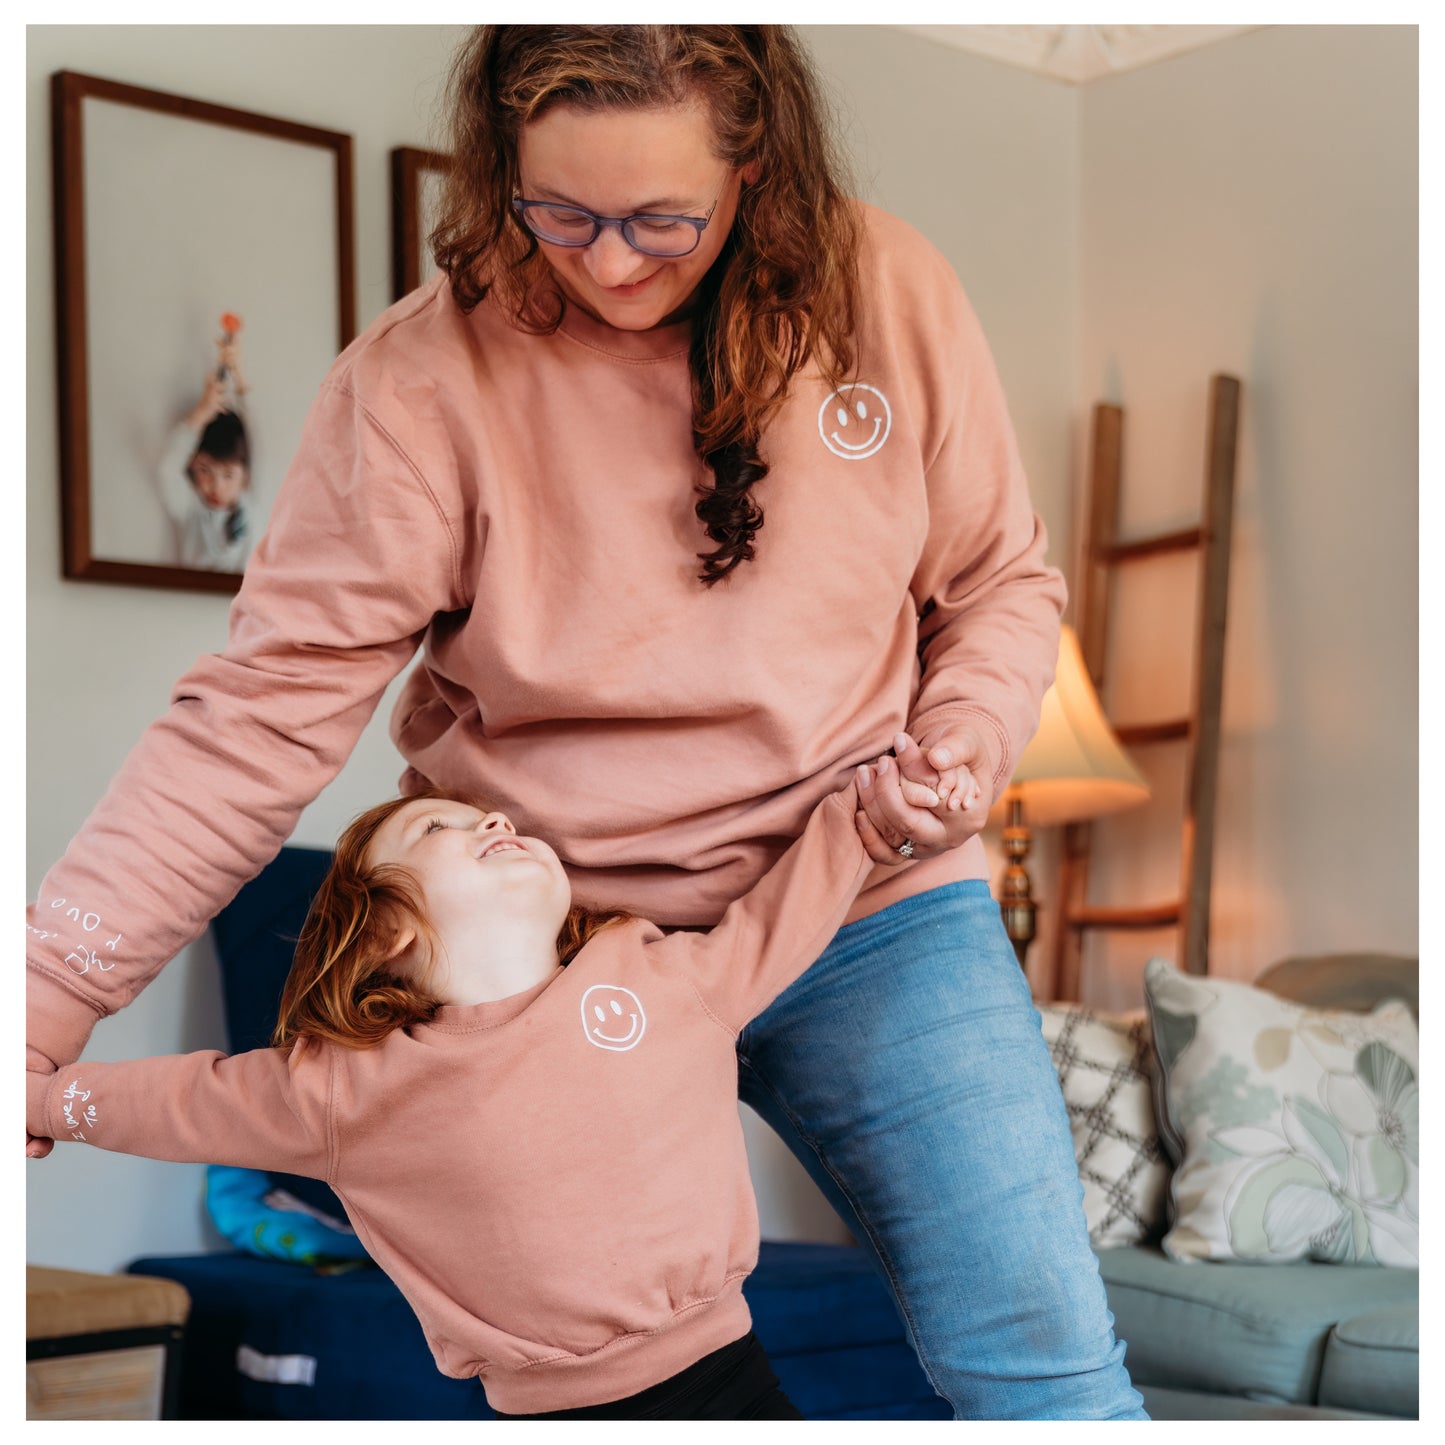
x=1020, y=914
x=1019, y=924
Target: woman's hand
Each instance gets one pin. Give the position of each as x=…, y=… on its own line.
x=931, y=798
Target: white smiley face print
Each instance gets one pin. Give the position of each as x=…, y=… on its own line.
x=612, y=1017
x=854, y=421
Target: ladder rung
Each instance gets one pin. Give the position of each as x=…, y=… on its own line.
x=1158, y=732
x=1158, y=915
x=1152, y=546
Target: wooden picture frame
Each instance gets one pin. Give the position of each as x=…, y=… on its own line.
x=414, y=174
x=171, y=213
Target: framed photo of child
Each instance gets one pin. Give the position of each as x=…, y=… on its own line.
x=416, y=182
x=204, y=283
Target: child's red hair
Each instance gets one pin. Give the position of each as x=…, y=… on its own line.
x=343, y=985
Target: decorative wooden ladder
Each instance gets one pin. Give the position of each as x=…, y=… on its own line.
x=1199, y=729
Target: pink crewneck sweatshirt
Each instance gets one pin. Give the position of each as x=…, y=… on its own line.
x=520, y=508
x=556, y=1181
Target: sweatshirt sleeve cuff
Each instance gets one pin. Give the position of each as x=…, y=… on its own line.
x=37, y=1095
x=58, y=1022
x=990, y=729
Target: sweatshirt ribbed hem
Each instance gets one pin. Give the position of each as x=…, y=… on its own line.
x=622, y=1368
x=887, y=885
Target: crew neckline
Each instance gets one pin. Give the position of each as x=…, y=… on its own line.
x=658, y=344
x=470, y=1018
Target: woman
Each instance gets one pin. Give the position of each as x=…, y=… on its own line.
x=694, y=482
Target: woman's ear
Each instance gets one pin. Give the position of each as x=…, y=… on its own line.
x=751, y=172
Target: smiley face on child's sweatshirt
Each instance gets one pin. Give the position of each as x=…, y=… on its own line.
x=612, y=1017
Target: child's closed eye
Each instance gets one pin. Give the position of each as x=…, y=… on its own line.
x=433, y=824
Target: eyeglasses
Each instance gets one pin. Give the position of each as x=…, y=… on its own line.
x=652, y=235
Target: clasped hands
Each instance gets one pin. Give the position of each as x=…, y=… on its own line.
x=932, y=796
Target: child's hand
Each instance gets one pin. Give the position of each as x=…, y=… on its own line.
x=918, y=779
x=37, y=1084
x=922, y=804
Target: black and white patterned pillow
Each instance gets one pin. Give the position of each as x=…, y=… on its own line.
x=1105, y=1063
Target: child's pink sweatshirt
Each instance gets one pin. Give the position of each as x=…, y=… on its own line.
x=557, y=1180
x=520, y=508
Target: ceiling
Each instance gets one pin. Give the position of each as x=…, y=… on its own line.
x=1077, y=53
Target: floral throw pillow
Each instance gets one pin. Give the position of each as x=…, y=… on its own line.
x=1295, y=1131
x=1104, y=1063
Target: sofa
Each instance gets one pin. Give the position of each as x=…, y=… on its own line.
x=279, y=1340
x=1210, y=1336
x=294, y=1322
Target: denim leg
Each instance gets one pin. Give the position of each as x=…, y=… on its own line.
x=907, y=1071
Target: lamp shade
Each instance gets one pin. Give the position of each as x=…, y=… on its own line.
x=1075, y=767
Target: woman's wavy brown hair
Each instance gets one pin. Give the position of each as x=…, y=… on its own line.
x=343, y=985
x=781, y=295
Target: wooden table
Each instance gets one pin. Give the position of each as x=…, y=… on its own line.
x=102, y=1346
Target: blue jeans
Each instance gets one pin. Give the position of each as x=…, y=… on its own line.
x=907, y=1072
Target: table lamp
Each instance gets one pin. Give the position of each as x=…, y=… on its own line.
x=1073, y=769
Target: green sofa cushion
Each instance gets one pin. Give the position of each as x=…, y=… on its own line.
x=1239, y=1329
x=1372, y=1362
x=1161, y=1404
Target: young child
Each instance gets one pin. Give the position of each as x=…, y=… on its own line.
x=528, y=1109
x=205, y=474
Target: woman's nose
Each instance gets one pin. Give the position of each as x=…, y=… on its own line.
x=495, y=823
x=611, y=261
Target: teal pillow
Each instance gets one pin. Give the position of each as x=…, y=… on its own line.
x=257, y=1219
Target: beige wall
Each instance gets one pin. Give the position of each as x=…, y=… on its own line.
x=983, y=159
x=1251, y=208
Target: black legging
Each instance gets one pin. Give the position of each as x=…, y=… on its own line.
x=733, y=1383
